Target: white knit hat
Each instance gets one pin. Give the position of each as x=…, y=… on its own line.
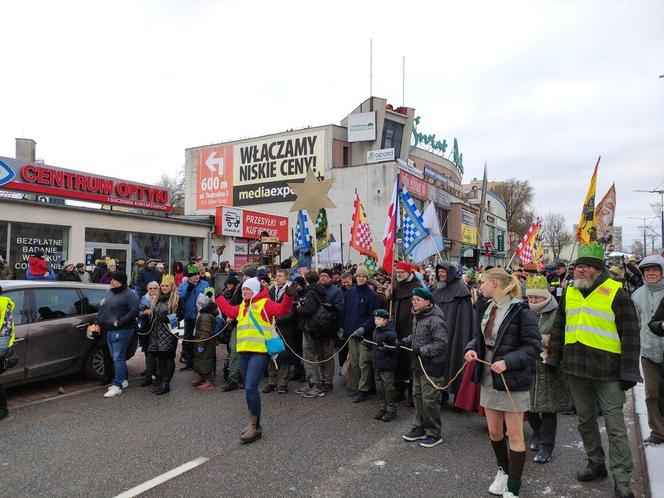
x=253, y=284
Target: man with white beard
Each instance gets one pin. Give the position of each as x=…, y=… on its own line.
x=595, y=340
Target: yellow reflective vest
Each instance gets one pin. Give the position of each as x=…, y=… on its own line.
x=249, y=339
x=5, y=303
x=591, y=320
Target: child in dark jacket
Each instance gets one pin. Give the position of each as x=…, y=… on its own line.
x=205, y=352
x=385, y=363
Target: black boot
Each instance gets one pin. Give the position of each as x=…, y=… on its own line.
x=147, y=381
x=163, y=389
x=623, y=490
x=592, y=472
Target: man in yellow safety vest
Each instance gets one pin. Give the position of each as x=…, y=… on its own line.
x=595, y=341
x=6, y=342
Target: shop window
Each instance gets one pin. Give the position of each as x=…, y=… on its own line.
x=392, y=135
x=106, y=236
x=149, y=246
x=185, y=248
x=345, y=158
x=57, y=303
x=26, y=238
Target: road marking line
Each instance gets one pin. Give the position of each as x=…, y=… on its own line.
x=153, y=483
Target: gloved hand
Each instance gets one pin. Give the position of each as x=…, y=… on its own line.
x=173, y=320
x=292, y=289
x=358, y=333
x=416, y=351
x=626, y=385
x=657, y=327
x=405, y=341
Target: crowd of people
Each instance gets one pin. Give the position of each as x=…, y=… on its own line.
x=510, y=344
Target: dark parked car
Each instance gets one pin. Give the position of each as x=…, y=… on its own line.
x=50, y=320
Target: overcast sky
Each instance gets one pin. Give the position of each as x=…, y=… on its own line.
x=536, y=89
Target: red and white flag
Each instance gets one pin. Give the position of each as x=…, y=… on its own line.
x=360, y=233
x=390, y=231
x=527, y=244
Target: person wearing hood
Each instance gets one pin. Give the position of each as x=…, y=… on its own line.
x=117, y=317
x=646, y=299
x=145, y=275
x=189, y=292
x=205, y=352
x=452, y=295
x=428, y=342
x=596, y=340
x=165, y=313
x=402, y=296
x=254, y=316
x=178, y=272
x=38, y=267
x=548, y=393
x=505, y=335
x=312, y=344
x=68, y=273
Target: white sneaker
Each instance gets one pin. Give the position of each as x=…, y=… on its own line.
x=499, y=485
x=509, y=494
x=113, y=391
x=125, y=384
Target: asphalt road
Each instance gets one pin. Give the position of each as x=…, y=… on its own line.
x=86, y=445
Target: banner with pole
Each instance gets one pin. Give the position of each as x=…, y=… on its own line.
x=586, y=231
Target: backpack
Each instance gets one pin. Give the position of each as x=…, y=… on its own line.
x=219, y=324
x=324, y=322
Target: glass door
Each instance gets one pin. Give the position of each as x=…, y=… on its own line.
x=117, y=252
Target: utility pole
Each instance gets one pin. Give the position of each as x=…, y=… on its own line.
x=661, y=208
x=645, y=246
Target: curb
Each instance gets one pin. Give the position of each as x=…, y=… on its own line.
x=653, y=456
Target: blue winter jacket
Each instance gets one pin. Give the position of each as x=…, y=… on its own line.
x=189, y=297
x=360, y=302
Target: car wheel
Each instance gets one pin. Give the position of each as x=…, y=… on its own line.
x=93, y=367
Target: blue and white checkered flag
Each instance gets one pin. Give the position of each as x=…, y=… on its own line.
x=412, y=226
x=302, y=242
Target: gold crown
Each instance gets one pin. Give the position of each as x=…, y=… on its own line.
x=168, y=279
x=536, y=282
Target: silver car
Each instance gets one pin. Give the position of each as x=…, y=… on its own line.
x=50, y=321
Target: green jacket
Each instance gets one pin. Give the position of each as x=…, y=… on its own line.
x=548, y=392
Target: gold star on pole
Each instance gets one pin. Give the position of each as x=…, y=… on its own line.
x=311, y=195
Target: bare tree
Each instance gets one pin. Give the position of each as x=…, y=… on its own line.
x=175, y=185
x=637, y=248
x=517, y=196
x=555, y=233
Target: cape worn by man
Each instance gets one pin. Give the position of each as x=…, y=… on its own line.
x=452, y=295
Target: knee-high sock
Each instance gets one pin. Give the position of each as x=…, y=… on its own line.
x=517, y=460
x=502, y=458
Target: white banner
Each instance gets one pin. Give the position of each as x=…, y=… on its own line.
x=362, y=127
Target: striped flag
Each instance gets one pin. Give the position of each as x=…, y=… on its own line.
x=390, y=231
x=525, y=250
x=412, y=228
x=360, y=234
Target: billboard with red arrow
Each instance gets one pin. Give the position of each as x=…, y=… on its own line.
x=215, y=177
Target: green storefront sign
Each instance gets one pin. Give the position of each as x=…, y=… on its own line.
x=501, y=242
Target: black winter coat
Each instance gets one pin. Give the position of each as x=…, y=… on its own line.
x=312, y=298
x=518, y=342
x=384, y=358
x=287, y=327
x=430, y=337
x=68, y=276
x=655, y=326
x=120, y=305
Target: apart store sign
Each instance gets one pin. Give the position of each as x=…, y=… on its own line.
x=236, y=222
x=362, y=127
x=70, y=184
x=380, y=155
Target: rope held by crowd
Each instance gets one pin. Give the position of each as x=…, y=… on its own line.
x=189, y=340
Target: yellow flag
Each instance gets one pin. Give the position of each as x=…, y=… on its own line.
x=586, y=231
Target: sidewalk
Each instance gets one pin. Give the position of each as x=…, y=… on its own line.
x=654, y=454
